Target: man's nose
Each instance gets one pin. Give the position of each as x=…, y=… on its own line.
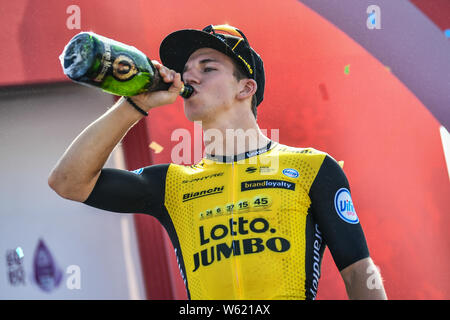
x=190, y=76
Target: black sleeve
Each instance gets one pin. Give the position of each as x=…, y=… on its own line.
x=334, y=212
x=139, y=191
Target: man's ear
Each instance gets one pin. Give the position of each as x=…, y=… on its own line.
x=247, y=88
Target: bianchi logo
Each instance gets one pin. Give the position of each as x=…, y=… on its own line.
x=203, y=193
x=263, y=184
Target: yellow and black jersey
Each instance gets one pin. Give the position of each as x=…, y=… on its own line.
x=251, y=226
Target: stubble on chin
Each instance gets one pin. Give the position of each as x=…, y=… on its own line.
x=196, y=113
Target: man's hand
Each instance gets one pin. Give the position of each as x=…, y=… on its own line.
x=363, y=281
x=149, y=100
x=78, y=170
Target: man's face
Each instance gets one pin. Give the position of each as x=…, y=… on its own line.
x=210, y=72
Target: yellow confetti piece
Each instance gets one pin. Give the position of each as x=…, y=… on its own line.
x=341, y=163
x=156, y=147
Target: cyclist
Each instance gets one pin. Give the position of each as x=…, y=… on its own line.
x=249, y=221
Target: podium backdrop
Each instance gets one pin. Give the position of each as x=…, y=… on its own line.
x=376, y=98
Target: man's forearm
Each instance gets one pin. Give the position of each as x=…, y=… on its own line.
x=77, y=170
x=363, y=281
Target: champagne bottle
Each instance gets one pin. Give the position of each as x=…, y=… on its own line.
x=96, y=61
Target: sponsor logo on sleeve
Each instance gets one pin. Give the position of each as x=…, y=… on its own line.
x=344, y=206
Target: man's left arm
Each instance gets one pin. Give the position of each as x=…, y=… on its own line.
x=333, y=210
x=363, y=281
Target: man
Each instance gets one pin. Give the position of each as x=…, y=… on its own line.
x=249, y=221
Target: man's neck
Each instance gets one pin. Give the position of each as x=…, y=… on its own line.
x=228, y=136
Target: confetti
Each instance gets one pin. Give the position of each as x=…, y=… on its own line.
x=341, y=163
x=347, y=69
x=156, y=147
x=19, y=252
x=372, y=18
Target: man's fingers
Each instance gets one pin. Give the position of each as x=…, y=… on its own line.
x=177, y=84
x=159, y=98
x=167, y=74
x=156, y=64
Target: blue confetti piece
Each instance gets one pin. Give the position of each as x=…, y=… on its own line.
x=372, y=18
x=19, y=252
x=447, y=33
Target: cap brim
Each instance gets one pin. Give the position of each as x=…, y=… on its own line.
x=178, y=46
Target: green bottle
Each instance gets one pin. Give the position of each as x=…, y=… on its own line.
x=116, y=68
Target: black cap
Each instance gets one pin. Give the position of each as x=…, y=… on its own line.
x=177, y=47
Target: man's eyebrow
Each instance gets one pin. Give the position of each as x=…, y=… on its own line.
x=203, y=61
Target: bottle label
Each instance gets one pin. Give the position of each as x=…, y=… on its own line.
x=106, y=63
x=124, y=68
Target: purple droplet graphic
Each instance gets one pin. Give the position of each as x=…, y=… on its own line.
x=46, y=273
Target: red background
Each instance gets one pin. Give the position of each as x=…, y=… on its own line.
x=389, y=141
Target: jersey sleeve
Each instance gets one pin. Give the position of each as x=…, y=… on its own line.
x=334, y=211
x=139, y=191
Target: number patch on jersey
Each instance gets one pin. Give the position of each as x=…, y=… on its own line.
x=344, y=206
x=258, y=203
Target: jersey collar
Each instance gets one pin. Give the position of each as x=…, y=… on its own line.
x=241, y=156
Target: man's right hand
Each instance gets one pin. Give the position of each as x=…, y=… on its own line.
x=78, y=170
x=149, y=100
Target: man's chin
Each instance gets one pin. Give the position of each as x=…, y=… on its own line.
x=193, y=119
x=193, y=114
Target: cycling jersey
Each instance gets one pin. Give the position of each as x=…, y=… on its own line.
x=250, y=226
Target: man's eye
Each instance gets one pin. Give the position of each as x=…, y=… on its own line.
x=208, y=69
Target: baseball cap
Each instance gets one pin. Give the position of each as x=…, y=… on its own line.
x=177, y=47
